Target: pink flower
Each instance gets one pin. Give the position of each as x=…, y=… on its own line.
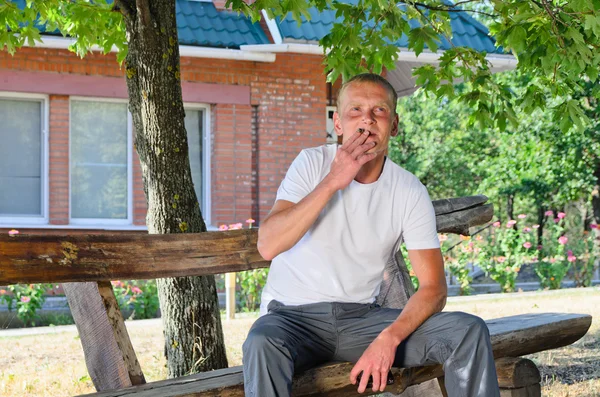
x=2, y=291
x=443, y=237
x=25, y=299
x=594, y=226
x=561, y=215
x=223, y=227
x=556, y=220
x=249, y=221
x=511, y=223
x=136, y=290
x=527, y=245
x=552, y=260
x=526, y=229
x=572, y=258
x=238, y=225
x=562, y=240
x=533, y=260
x=549, y=213
x=496, y=224
x=117, y=283
x=540, y=247
x=536, y=226
x=13, y=232
x=569, y=253
x=522, y=216
x=501, y=259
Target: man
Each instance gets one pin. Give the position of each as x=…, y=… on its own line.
x=339, y=216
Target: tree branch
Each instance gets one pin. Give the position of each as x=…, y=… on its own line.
x=450, y=9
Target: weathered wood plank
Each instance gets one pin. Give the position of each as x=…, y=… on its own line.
x=54, y=258
x=527, y=391
x=109, y=355
x=517, y=372
x=448, y=206
x=332, y=380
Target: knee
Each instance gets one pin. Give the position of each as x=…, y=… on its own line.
x=263, y=342
x=469, y=324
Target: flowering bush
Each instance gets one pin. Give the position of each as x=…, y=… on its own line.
x=554, y=258
x=458, y=265
x=141, y=297
x=508, y=247
x=27, y=299
x=582, y=252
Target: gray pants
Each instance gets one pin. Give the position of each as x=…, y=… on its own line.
x=295, y=338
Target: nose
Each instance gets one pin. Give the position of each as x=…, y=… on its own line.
x=368, y=118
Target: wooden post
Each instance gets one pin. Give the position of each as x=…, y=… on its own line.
x=230, y=295
x=518, y=377
x=109, y=355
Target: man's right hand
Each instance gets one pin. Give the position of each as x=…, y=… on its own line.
x=349, y=159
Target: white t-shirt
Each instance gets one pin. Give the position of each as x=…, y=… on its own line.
x=341, y=258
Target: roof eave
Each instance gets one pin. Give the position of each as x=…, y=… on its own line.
x=184, y=50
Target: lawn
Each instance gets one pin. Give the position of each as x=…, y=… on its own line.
x=53, y=364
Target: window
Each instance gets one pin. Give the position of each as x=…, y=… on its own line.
x=23, y=165
x=331, y=136
x=100, y=162
x=196, y=125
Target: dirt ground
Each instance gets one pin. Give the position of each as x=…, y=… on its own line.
x=53, y=364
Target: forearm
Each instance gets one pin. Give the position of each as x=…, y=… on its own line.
x=282, y=230
x=422, y=305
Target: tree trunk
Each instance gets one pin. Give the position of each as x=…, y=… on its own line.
x=510, y=202
x=541, y=220
x=189, y=305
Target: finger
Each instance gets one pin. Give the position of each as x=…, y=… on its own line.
x=361, y=149
x=376, y=380
x=365, y=158
x=354, y=373
x=364, y=379
x=384, y=377
x=358, y=138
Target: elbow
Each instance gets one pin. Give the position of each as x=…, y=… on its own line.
x=264, y=249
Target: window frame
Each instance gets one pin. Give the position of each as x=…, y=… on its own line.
x=100, y=222
x=205, y=206
x=43, y=219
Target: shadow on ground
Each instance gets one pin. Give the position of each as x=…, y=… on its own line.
x=577, y=363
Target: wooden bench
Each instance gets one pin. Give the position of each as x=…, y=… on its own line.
x=85, y=264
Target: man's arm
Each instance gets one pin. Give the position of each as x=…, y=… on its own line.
x=377, y=360
x=288, y=222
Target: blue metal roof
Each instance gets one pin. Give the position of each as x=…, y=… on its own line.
x=199, y=23
x=467, y=32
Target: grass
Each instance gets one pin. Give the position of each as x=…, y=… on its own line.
x=53, y=364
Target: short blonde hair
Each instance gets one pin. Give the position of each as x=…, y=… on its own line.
x=370, y=78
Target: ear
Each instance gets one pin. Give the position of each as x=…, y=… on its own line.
x=337, y=124
x=395, y=122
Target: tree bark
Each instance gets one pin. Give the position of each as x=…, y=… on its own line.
x=510, y=201
x=189, y=305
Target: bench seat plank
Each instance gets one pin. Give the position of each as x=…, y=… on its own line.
x=511, y=336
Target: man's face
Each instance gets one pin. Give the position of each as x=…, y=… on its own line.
x=368, y=106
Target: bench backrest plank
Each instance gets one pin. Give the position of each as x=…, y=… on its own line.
x=58, y=259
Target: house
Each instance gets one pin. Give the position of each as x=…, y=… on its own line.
x=255, y=95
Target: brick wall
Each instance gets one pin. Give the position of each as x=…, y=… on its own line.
x=252, y=144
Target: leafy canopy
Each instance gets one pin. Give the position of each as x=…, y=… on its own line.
x=556, y=42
